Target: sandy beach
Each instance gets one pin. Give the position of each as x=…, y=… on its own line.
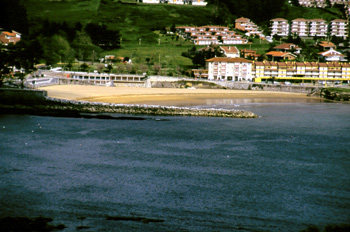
x=167, y=96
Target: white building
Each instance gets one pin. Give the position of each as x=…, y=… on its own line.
x=151, y=1
x=300, y=27
x=332, y=55
x=230, y=51
x=318, y=27
x=339, y=27
x=230, y=69
x=279, y=27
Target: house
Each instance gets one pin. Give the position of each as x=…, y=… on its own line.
x=288, y=47
x=326, y=45
x=277, y=55
x=332, y=55
x=249, y=54
x=230, y=69
x=7, y=38
x=230, y=51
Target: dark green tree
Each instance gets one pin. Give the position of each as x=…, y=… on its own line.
x=102, y=36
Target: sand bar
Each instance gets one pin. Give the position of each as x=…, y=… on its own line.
x=164, y=96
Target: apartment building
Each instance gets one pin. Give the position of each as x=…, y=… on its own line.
x=339, y=28
x=318, y=28
x=208, y=35
x=239, y=69
x=320, y=3
x=230, y=69
x=300, y=27
x=247, y=25
x=279, y=27
x=178, y=2
x=313, y=3
x=311, y=28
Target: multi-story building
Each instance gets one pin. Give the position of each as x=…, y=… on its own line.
x=208, y=35
x=320, y=3
x=300, y=27
x=318, y=27
x=230, y=69
x=247, y=25
x=239, y=69
x=178, y=2
x=311, y=27
x=279, y=27
x=339, y=28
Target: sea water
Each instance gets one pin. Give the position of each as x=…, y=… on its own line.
x=283, y=171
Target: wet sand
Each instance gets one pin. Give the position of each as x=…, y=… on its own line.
x=167, y=96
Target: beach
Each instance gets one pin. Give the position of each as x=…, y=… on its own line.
x=165, y=96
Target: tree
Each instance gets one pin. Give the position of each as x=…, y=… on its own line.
x=84, y=67
x=5, y=62
x=83, y=45
x=56, y=49
x=295, y=3
x=103, y=37
x=173, y=28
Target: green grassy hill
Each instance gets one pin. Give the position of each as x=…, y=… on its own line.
x=139, y=24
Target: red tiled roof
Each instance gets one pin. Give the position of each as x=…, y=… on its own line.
x=278, y=19
x=276, y=53
x=230, y=49
x=242, y=20
x=229, y=60
x=286, y=46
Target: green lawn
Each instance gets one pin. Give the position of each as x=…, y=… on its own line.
x=140, y=24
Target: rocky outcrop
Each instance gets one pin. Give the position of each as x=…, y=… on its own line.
x=332, y=94
x=335, y=94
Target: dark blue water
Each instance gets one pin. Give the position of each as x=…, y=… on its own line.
x=281, y=172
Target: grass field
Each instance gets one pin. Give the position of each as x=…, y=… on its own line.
x=140, y=24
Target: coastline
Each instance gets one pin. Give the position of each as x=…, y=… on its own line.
x=166, y=96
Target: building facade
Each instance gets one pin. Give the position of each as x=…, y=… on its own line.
x=279, y=27
x=339, y=28
x=230, y=69
x=310, y=27
x=208, y=35
x=247, y=25
x=239, y=69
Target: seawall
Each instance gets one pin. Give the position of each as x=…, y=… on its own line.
x=37, y=102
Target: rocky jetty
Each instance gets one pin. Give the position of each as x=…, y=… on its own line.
x=97, y=107
x=37, y=102
x=332, y=94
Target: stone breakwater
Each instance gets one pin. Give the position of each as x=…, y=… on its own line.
x=96, y=107
x=37, y=102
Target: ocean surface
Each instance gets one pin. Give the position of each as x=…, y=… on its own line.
x=283, y=171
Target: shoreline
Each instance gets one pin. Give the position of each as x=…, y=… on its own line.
x=169, y=96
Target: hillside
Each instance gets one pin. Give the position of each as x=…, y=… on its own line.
x=140, y=24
